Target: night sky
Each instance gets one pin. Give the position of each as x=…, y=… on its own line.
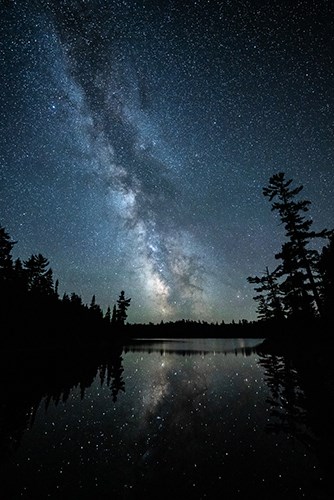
x=137, y=136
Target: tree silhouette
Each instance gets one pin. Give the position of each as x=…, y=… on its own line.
x=95, y=308
x=39, y=275
x=29, y=297
x=269, y=297
x=107, y=316
x=326, y=266
x=300, y=264
x=6, y=260
x=20, y=277
x=297, y=301
x=9, y=296
x=114, y=315
x=122, y=306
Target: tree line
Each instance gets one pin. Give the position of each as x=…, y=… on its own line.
x=301, y=287
x=29, y=298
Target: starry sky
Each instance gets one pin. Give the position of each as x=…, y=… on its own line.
x=137, y=136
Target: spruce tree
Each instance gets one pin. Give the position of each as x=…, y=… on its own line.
x=39, y=275
x=114, y=315
x=6, y=260
x=122, y=306
x=107, y=316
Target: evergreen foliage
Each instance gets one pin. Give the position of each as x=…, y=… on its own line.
x=326, y=266
x=298, y=288
x=301, y=286
x=29, y=301
x=269, y=296
x=122, y=307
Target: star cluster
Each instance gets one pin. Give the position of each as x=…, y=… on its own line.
x=137, y=137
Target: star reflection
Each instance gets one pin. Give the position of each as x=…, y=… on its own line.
x=157, y=421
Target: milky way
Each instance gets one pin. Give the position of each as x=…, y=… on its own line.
x=137, y=138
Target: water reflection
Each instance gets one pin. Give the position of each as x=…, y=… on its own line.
x=29, y=381
x=301, y=407
x=166, y=419
x=188, y=347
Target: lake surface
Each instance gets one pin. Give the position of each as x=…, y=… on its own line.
x=203, y=419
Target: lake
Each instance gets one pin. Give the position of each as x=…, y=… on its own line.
x=197, y=418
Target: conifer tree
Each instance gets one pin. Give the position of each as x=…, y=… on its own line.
x=269, y=297
x=114, y=315
x=122, y=306
x=107, y=316
x=300, y=264
x=20, y=277
x=39, y=275
x=95, y=308
x=6, y=259
x=326, y=266
x=10, y=301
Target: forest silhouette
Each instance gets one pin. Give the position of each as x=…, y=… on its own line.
x=55, y=347
x=297, y=294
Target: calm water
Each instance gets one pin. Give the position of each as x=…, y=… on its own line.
x=203, y=419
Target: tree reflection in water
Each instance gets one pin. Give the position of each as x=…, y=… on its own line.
x=27, y=381
x=298, y=398
x=301, y=386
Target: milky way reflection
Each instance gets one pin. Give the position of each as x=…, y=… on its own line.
x=198, y=422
